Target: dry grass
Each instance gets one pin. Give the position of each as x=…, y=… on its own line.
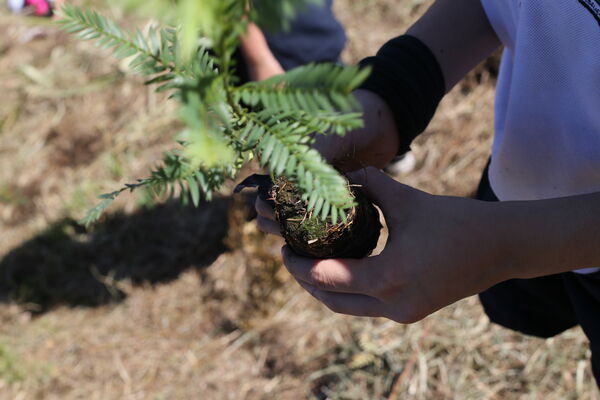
x=175, y=303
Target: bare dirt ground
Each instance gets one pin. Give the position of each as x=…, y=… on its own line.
x=171, y=302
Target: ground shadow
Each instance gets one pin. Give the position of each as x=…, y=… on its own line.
x=67, y=265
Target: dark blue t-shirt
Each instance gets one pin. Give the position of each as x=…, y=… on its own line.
x=315, y=36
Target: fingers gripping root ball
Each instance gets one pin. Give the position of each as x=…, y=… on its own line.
x=310, y=236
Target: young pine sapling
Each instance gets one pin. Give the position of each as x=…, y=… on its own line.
x=227, y=125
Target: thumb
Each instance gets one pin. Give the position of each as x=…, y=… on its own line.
x=379, y=188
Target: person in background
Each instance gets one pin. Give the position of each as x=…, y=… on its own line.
x=315, y=35
x=39, y=8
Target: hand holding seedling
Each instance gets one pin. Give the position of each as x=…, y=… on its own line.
x=373, y=144
x=439, y=250
x=442, y=249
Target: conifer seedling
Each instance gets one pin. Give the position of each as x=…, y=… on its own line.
x=227, y=125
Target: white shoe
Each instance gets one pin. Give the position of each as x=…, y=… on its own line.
x=402, y=165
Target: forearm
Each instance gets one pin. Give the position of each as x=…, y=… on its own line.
x=459, y=35
x=254, y=45
x=260, y=60
x=544, y=237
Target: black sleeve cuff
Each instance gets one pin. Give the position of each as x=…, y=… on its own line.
x=407, y=76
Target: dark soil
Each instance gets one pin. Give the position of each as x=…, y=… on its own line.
x=310, y=236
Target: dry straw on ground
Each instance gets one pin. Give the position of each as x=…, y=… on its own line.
x=176, y=303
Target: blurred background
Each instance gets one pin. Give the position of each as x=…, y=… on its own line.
x=173, y=302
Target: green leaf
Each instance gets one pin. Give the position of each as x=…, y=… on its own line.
x=195, y=193
x=226, y=125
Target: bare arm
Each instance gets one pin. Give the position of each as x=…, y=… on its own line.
x=261, y=62
x=460, y=36
x=543, y=237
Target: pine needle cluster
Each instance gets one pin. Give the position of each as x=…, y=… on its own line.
x=226, y=124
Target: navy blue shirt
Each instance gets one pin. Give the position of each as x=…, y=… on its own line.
x=315, y=36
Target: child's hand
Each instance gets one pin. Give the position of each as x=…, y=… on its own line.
x=439, y=250
x=373, y=145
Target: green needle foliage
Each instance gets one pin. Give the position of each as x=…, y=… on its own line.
x=227, y=125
